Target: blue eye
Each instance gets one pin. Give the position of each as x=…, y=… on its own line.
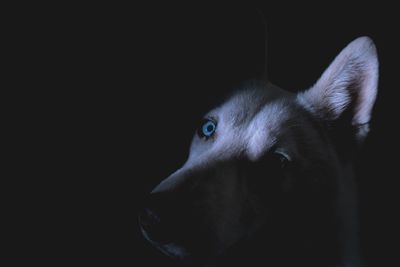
x=207, y=128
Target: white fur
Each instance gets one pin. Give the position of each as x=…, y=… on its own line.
x=350, y=81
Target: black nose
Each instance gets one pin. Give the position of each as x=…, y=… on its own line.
x=162, y=217
x=148, y=218
x=151, y=223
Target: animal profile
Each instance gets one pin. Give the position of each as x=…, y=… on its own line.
x=273, y=166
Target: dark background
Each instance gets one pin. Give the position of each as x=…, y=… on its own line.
x=132, y=83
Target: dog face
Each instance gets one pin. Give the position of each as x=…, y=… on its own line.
x=267, y=158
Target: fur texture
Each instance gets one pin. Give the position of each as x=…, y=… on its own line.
x=278, y=168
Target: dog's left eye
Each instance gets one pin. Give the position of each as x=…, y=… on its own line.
x=207, y=128
x=282, y=158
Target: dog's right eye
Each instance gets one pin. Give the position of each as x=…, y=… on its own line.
x=207, y=128
x=282, y=158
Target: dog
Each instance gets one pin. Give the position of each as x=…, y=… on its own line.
x=273, y=166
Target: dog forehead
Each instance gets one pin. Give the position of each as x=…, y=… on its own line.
x=246, y=103
x=267, y=126
x=253, y=117
x=243, y=106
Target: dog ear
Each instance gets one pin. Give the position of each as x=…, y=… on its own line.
x=347, y=89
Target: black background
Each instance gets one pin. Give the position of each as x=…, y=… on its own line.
x=132, y=83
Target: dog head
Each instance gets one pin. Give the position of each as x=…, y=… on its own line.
x=267, y=158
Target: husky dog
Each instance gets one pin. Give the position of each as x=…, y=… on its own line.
x=272, y=164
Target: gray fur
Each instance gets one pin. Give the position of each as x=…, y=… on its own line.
x=318, y=190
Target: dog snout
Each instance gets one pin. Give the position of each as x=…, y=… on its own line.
x=152, y=225
x=148, y=218
x=162, y=217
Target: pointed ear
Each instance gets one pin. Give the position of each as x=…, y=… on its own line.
x=348, y=88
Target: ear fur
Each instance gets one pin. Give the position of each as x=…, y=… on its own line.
x=348, y=85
